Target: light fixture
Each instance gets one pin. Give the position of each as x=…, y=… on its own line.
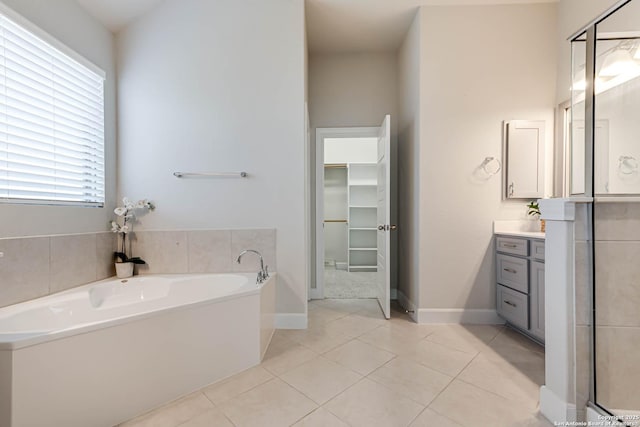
x=617, y=62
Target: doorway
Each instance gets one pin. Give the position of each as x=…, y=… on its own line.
x=352, y=213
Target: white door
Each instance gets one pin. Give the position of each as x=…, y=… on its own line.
x=384, y=228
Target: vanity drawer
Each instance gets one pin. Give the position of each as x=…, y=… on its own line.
x=513, y=272
x=513, y=306
x=537, y=249
x=512, y=245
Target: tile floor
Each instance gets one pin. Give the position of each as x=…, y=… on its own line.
x=353, y=368
x=349, y=284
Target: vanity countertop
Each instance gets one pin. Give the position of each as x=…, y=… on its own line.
x=517, y=228
x=529, y=234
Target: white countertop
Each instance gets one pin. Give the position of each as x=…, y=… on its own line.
x=518, y=228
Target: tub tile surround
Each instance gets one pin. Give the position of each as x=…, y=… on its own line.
x=301, y=384
x=203, y=251
x=33, y=267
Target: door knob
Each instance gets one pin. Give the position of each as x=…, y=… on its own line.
x=394, y=227
x=381, y=227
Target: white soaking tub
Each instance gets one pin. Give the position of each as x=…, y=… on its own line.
x=102, y=353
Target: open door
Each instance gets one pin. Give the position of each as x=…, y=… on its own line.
x=384, y=246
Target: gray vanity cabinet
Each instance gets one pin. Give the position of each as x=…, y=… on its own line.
x=520, y=283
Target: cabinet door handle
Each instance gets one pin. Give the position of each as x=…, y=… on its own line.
x=509, y=245
x=510, y=303
x=510, y=270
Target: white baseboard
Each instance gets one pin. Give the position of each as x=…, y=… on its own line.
x=555, y=409
x=459, y=315
x=291, y=321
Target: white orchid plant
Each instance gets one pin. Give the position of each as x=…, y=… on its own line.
x=123, y=224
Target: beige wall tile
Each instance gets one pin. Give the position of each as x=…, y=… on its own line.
x=209, y=251
x=105, y=247
x=583, y=364
x=73, y=261
x=581, y=222
x=618, y=367
x=24, y=269
x=617, y=221
x=617, y=287
x=583, y=285
x=164, y=251
x=264, y=241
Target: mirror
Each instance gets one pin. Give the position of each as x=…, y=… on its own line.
x=523, y=148
x=617, y=101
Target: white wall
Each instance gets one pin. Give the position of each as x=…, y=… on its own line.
x=480, y=65
x=69, y=23
x=354, y=90
x=409, y=100
x=219, y=86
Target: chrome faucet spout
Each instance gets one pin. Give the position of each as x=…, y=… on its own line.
x=263, y=274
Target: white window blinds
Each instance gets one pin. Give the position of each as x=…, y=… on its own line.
x=51, y=123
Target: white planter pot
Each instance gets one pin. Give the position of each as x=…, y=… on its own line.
x=124, y=269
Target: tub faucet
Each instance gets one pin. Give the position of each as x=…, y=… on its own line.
x=263, y=274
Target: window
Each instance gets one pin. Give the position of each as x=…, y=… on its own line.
x=51, y=120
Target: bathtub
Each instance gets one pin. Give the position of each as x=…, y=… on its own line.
x=102, y=353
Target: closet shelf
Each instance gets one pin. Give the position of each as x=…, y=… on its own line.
x=363, y=206
x=363, y=249
x=363, y=267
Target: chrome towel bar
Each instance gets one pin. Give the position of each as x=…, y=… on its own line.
x=210, y=174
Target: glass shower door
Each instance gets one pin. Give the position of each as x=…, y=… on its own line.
x=616, y=214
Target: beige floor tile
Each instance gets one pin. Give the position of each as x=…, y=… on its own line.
x=469, y=405
x=429, y=418
x=319, y=339
x=369, y=404
x=359, y=356
x=349, y=305
x=514, y=354
x=173, y=414
x=387, y=339
x=354, y=325
x=510, y=338
x=411, y=380
x=409, y=329
x=467, y=338
x=284, y=356
x=237, y=384
x=321, y=379
x=213, y=417
x=505, y=379
x=321, y=418
x=435, y=356
x=324, y=315
x=274, y=403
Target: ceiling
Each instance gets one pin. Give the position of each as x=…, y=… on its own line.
x=332, y=25
x=116, y=14
x=342, y=26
